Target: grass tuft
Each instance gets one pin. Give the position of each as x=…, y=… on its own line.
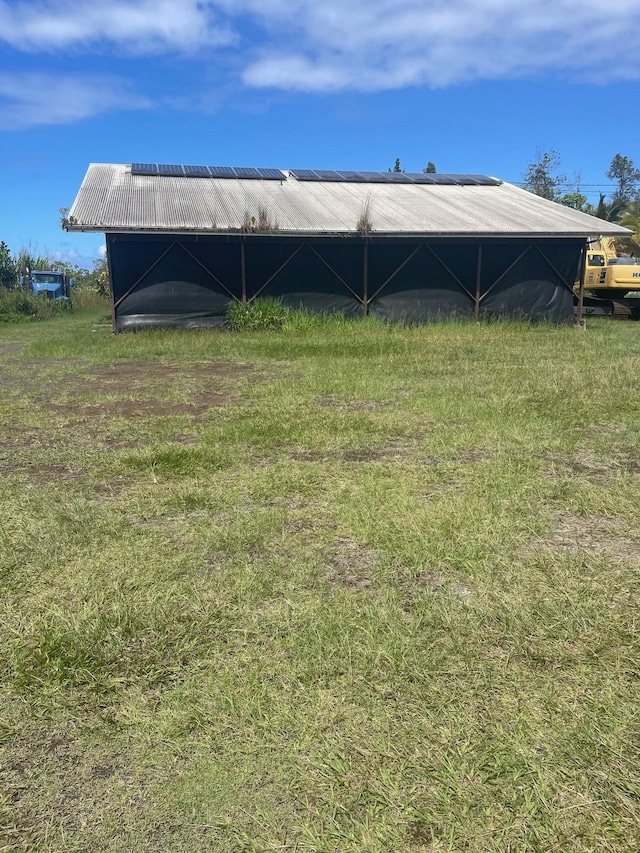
x=258, y=315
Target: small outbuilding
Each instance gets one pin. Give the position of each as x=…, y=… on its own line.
x=185, y=241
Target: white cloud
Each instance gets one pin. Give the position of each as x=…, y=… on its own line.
x=69, y=255
x=371, y=45
x=361, y=45
x=102, y=251
x=31, y=99
x=137, y=26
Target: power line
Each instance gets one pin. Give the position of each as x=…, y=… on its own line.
x=573, y=184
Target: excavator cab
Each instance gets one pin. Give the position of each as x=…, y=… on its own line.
x=595, y=271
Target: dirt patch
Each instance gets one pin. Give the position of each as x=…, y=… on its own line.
x=574, y=534
x=47, y=475
x=151, y=370
x=60, y=788
x=154, y=408
x=352, y=565
x=51, y=474
x=45, y=383
x=17, y=444
x=47, y=363
x=366, y=454
x=394, y=449
x=469, y=457
x=612, y=428
x=8, y=348
x=184, y=439
x=301, y=525
x=351, y=405
x=433, y=582
x=590, y=465
x=113, y=487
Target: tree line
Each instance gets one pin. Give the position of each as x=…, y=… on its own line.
x=622, y=206
x=544, y=179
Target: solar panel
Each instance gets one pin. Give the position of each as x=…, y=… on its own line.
x=392, y=177
x=328, y=175
x=344, y=175
x=374, y=177
x=170, y=171
x=197, y=171
x=397, y=178
x=304, y=174
x=350, y=176
x=422, y=178
x=485, y=180
x=445, y=180
x=144, y=169
x=271, y=174
x=242, y=172
x=221, y=172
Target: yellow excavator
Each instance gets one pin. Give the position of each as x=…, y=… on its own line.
x=612, y=283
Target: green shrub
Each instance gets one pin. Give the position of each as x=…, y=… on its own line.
x=20, y=307
x=259, y=315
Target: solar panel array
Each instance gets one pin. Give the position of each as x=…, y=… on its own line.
x=250, y=173
x=172, y=171
x=394, y=178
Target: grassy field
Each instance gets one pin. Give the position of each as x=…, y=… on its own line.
x=343, y=587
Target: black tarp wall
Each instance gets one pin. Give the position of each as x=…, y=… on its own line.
x=187, y=280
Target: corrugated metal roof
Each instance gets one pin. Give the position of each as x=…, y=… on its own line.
x=111, y=199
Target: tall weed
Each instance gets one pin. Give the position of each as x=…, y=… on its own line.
x=259, y=315
x=21, y=307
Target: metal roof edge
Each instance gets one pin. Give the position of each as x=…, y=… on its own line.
x=520, y=235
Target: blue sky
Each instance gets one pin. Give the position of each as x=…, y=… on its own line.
x=473, y=85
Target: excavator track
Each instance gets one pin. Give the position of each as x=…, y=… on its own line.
x=616, y=309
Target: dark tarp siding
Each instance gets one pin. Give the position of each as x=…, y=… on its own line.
x=187, y=280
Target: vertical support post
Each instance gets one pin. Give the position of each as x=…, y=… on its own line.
x=476, y=312
x=583, y=266
x=112, y=295
x=243, y=273
x=365, y=278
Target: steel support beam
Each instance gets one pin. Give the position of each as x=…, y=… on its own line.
x=365, y=278
x=142, y=277
x=552, y=267
x=452, y=274
x=277, y=272
x=476, y=311
x=506, y=272
x=337, y=275
x=243, y=273
x=583, y=266
x=208, y=272
x=111, y=290
x=395, y=272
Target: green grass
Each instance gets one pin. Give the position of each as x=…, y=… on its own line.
x=343, y=586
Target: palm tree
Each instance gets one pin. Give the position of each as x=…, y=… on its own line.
x=630, y=218
x=624, y=213
x=611, y=211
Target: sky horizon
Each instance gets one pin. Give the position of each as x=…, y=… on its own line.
x=471, y=85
